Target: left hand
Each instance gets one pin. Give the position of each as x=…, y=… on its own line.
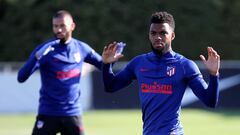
x=213, y=61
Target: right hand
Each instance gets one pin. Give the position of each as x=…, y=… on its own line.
x=45, y=49
x=109, y=53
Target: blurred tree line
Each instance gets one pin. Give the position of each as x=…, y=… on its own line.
x=26, y=23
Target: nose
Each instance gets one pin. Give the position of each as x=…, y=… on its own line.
x=158, y=37
x=59, y=30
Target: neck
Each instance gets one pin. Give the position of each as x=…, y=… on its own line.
x=65, y=41
x=161, y=52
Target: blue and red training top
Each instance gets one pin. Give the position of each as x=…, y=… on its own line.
x=60, y=72
x=162, y=81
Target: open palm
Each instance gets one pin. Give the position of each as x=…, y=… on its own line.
x=213, y=61
x=109, y=53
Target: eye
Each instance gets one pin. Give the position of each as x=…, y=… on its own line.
x=55, y=26
x=163, y=33
x=62, y=25
x=153, y=33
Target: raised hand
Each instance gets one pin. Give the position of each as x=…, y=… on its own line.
x=109, y=54
x=213, y=61
x=45, y=49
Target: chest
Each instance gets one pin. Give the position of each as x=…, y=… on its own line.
x=170, y=73
x=63, y=59
x=163, y=78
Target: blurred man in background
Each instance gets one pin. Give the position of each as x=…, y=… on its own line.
x=60, y=63
x=163, y=76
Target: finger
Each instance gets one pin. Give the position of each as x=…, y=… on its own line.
x=214, y=53
x=202, y=58
x=118, y=56
x=105, y=48
x=217, y=57
x=115, y=46
x=209, y=51
x=112, y=46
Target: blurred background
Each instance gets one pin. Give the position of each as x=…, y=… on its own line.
x=25, y=24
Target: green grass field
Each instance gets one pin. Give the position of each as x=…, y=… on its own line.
x=128, y=122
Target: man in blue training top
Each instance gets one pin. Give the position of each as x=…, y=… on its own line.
x=162, y=76
x=60, y=63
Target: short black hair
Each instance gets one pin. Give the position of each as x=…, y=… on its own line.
x=163, y=17
x=62, y=13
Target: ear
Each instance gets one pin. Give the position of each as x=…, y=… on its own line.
x=173, y=35
x=73, y=25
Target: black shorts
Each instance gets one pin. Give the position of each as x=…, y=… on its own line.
x=51, y=125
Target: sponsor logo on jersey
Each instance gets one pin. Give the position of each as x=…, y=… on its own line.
x=68, y=74
x=156, y=88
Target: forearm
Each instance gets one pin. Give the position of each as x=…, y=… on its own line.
x=114, y=82
x=107, y=77
x=212, y=91
x=208, y=94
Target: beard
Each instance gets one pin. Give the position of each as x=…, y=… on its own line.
x=156, y=51
x=62, y=40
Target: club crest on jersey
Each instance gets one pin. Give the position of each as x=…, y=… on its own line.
x=171, y=70
x=77, y=57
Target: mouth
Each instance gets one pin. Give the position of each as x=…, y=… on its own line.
x=158, y=45
x=60, y=35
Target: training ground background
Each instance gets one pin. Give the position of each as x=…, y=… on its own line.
x=119, y=113
x=20, y=98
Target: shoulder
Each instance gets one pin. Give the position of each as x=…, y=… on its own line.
x=50, y=42
x=187, y=63
x=189, y=66
x=79, y=42
x=138, y=58
x=82, y=45
x=183, y=60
